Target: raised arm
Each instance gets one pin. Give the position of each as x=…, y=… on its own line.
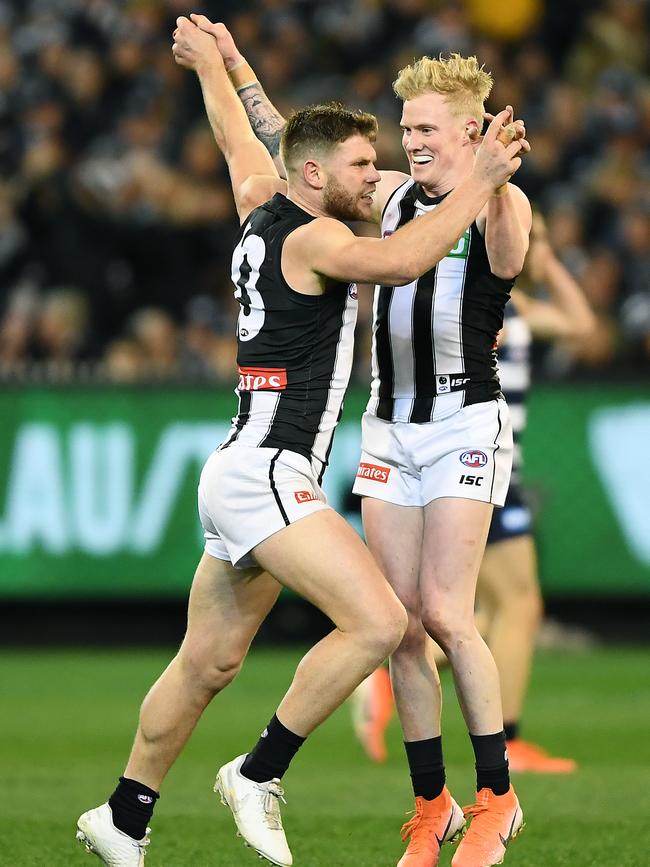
x=507, y=226
x=245, y=155
x=333, y=251
x=566, y=314
x=265, y=120
x=506, y=219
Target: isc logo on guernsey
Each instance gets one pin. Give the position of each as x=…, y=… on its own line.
x=373, y=473
x=262, y=378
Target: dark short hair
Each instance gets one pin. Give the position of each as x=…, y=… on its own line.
x=318, y=128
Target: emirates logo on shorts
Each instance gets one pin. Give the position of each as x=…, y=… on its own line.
x=262, y=378
x=373, y=473
x=305, y=496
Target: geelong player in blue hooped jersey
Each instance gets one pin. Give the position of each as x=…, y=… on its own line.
x=437, y=439
x=265, y=519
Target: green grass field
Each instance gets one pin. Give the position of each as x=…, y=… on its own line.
x=67, y=720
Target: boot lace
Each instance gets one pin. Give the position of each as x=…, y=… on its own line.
x=479, y=830
x=270, y=795
x=142, y=844
x=411, y=826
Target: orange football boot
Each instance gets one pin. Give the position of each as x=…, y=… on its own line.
x=524, y=756
x=435, y=822
x=496, y=820
x=372, y=709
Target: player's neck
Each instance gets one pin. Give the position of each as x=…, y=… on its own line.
x=312, y=205
x=447, y=181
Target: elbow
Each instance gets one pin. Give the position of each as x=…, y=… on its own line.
x=405, y=278
x=507, y=262
x=395, y=274
x=405, y=272
x=509, y=270
x=507, y=274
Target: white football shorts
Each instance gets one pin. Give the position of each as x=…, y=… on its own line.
x=467, y=454
x=247, y=494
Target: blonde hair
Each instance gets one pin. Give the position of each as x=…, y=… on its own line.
x=460, y=80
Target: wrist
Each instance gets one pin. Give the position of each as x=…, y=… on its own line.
x=500, y=191
x=242, y=75
x=207, y=65
x=232, y=63
x=482, y=188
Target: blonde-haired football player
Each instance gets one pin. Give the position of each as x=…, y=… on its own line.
x=437, y=439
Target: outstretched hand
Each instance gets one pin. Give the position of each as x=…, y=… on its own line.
x=193, y=47
x=497, y=157
x=511, y=130
x=223, y=37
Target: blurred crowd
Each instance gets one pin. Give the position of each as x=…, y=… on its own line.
x=116, y=217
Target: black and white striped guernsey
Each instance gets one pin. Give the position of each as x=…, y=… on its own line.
x=294, y=351
x=514, y=374
x=433, y=348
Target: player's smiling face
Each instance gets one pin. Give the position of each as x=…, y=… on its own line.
x=351, y=180
x=435, y=141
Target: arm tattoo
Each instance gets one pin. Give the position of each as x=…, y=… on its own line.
x=266, y=122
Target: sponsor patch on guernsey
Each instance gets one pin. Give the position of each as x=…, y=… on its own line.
x=373, y=473
x=262, y=378
x=305, y=496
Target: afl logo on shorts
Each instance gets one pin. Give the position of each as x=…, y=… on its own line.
x=474, y=459
x=353, y=291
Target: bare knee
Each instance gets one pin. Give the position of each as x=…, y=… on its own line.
x=414, y=640
x=210, y=672
x=384, y=630
x=449, y=627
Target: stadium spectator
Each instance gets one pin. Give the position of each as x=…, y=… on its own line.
x=109, y=181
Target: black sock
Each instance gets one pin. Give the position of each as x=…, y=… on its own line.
x=512, y=730
x=272, y=754
x=132, y=806
x=426, y=767
x=491, y=762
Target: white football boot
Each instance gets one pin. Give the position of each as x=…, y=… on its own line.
x=256, y=810
x=115, y=848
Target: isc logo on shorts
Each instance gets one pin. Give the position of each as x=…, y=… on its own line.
x=262, y=378
x=305, y=496
x=373, y=473
x=474, y=459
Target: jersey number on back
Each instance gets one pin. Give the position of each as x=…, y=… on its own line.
x=246, y=263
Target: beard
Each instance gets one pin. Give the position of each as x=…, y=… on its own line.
x=340, y=204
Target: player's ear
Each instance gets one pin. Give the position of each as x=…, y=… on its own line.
x=314, y=174
x=472, y=130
